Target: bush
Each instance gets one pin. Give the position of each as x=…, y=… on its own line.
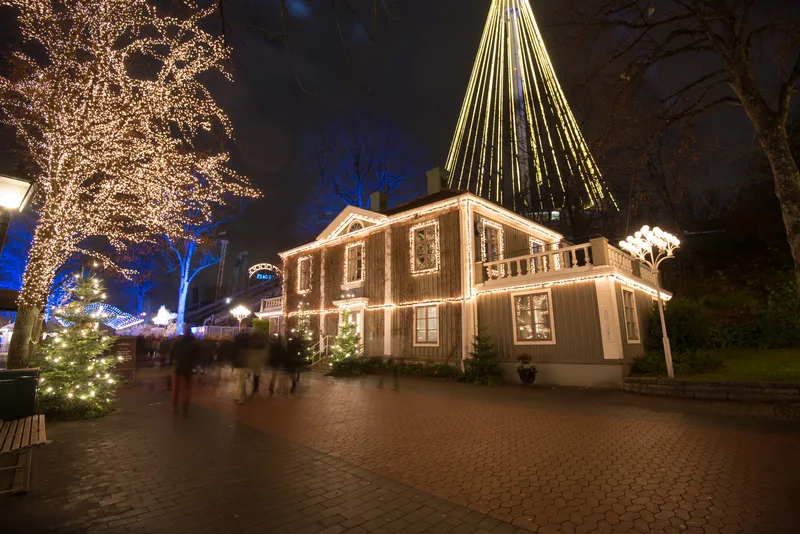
x=353, y=366
x=687, y=326
x=780, y=322
x=740, y=336
x=683, y=363
x=483, y=368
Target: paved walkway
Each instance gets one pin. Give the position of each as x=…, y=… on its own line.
x=350, y=456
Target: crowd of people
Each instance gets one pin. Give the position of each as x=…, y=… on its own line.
x=247, y=355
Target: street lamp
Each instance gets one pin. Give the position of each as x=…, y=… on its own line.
x=14, y=195
x=240, y=312
x=651, y=247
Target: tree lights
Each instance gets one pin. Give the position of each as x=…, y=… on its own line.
x=516, y=125
x=122, y=153
x=651, y=247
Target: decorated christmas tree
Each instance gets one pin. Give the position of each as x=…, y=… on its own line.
x=301, y=341
x=347, y=343
x=76, y=375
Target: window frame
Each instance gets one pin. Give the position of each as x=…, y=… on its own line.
x=497, y=227
x=638, y=338
x=549, y=293
x=427, y=326
x=300, y=261
x=347, y=283
x=413, y=246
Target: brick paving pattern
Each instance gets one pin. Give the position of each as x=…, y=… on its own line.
x=349, y=456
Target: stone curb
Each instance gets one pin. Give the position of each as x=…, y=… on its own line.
x=732, y=391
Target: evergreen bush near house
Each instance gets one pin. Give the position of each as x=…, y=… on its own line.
x=76, y=375
x=347, y=357
x=261, y=325
x=688, y=326
x=780, y=321
x=684, y=363
x=483, y=367
x=300, y=342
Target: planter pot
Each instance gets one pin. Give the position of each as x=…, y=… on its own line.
x=528, y=376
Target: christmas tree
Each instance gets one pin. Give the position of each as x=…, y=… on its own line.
x=76, y=379
x=483, y=367
x=347, y=355
x=301, y=342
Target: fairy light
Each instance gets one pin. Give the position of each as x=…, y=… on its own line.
x=429, y=266
x=114, y=152
x=515, y=123
x=362, y=271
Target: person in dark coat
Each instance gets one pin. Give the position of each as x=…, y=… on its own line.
x=185, y=355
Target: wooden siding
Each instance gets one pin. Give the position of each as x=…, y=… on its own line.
x=449, y=349
x=644, y=304
x=374, y=271
x=373, y=333
x=575, y=321
x=516, y=242
x=444, y=283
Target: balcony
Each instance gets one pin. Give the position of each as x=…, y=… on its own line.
x=271, y=306
x=595, y=257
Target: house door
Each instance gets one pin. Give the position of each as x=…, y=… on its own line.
x=357, y=318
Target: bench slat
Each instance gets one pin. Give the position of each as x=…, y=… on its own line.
x=9, y=437
x=4, y=431
x=20, y=433
x=42, y=434
x=26, y=435
x=35, y=431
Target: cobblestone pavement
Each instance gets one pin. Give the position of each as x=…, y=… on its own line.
x=350, y=456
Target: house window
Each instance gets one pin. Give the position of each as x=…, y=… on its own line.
x=426, y=320
x=533, y=320
x=629, y=305
x=492, y=241
x=424, y=247
x=354, y=263
x=304, y=275
x=355, y=227
x=535, y=245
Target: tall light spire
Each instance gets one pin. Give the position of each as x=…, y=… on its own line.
x=516, y=141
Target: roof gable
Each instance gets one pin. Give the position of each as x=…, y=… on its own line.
x=351, y=214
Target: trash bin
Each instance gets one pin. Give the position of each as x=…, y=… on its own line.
x=18, y=393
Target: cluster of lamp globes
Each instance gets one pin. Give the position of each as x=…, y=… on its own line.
x=642, y=243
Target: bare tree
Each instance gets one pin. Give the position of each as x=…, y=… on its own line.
x=728, y=42
x=352, y=159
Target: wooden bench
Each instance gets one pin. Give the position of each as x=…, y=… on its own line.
x=20, y=436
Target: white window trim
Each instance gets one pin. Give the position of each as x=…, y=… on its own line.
x=438, y=325
x=538, y=242
x=500, y=239
x=635, y=318
x=514, y=316
x=346, y=283
x=413, y=251
x=300, y=261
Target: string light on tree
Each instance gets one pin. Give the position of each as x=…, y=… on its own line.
x=115, y=148
x=651, y=247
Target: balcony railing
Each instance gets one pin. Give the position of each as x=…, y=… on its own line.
x=572, y=259
x=271, y=303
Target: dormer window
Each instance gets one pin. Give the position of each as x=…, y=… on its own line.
x=355, y=227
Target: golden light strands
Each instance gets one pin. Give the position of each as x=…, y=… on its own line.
x=516, y=134
x=118, y=124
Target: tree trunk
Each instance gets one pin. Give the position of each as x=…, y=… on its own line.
x=775, y=144
x=183, y=288
x=27, y=316
x=36, y=336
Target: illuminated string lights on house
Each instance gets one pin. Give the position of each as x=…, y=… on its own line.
x=421, y=250
x=515, y=123
x=363, y=270
x=305, y=277
x=115, y=152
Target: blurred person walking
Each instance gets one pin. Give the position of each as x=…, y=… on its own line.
x=242, y=342
x=256, y=356
x=185, y=355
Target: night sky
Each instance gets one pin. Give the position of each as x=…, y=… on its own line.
x=414, y=76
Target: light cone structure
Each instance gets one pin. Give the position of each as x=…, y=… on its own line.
x=517, y=142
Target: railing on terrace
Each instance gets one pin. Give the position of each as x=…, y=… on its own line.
x=271, y=303
x=584, y=257
x=219, y=332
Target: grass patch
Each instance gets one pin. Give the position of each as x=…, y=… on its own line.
x=726, y=365
x=753, y=365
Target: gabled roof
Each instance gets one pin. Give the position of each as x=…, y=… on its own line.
x=444, y=194
x=348, y=216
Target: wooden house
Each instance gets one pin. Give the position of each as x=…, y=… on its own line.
x=421, y=279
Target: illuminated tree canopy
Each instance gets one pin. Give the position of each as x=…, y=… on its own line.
x=516, y=141
x=119, y=125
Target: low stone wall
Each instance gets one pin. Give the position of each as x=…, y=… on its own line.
x=732, y=391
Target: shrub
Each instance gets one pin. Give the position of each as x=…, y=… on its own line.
x=484, y=367
x=353, y=366
x=683, y=363
x=687, y=326
x=734, y=336
x=780, y=322
x=261, y=325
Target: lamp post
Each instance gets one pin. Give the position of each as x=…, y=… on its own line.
x=240, y=312
x=14, y=195
x=651, y=247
